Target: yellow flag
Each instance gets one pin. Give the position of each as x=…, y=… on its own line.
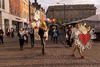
x=43, y=25
x=33, y=24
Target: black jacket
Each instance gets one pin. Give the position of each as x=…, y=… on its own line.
x=41, y=32
x=1, y=32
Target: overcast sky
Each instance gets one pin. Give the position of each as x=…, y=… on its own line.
x=46, y=3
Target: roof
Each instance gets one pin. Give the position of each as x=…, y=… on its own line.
x=78, y=6
x=74, y=22
x=94, y=18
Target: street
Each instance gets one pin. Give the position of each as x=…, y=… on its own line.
x=57, y=55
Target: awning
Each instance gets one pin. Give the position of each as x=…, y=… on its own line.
x=74, y=22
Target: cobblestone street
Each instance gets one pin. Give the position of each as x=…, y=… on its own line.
x=57, y=55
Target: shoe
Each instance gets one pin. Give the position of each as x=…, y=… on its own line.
x=82, y=57
x=73, y=55
x=21, y=49
x=32, y=46
x=43, y=52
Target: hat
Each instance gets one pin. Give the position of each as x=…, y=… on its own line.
x=83, y=28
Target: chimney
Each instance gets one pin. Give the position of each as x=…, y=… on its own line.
x=35, y=1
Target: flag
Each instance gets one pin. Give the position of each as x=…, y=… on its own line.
x=34, y=24
x=43, y=25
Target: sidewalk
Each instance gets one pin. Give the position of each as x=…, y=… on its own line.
x=56, y=56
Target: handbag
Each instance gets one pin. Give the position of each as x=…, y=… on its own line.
x=46, y=35
x=25, y=38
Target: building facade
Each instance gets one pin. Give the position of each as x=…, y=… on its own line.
x=15, y=14
x=4, y=14
x=31, y=13
x=42, y=14
x=25, y=10
x=68, y=13
x=8, y=19
x=39, y=12
x=14, y=6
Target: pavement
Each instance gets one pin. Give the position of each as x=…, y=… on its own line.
x=57, y=55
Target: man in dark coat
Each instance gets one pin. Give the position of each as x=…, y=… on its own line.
x=32, y=37
x=1, y=35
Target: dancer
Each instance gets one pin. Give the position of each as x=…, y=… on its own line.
x=82, y=39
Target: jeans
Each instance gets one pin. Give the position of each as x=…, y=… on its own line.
x=32, y=41
x=43, y=45
x=1, y=39
x=21, y=41
x=55, y=39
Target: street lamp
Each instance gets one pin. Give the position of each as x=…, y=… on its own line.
x=64, y=11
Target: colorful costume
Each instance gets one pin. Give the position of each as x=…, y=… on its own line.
x=82, y=40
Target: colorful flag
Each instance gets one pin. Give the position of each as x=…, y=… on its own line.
x=43, y=25
x=34, y=24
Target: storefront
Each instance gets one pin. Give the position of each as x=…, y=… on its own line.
x=10, y=21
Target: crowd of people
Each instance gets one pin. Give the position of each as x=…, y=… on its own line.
x=73, y=36
x=10, y=32
x=79, y=35
x=23, y=37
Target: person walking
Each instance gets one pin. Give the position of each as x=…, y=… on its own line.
x=55, y=35
x=93, y=35
x=26, y=36
x=12, y=33
x=66, y=40
x=32, y=37
x=21, y=36
x=1, y=35
x=69, y=37
x=8, y=32
x=82, y=39
x=41, y=34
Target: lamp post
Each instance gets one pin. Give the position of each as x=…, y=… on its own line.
x=64, y=11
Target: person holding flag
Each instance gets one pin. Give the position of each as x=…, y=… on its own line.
x=41, y=32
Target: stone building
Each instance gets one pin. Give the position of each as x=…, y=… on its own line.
x=68, y=13
x=31, y=13
x=25, y=11
x=13, y=14
x=16, y=21
x=4, y=14
x=37, y=13
x=10, y=15
x=42, y=14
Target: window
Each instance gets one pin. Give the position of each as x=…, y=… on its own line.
x=18, y=13
x=11, y=9
x=3, y=4
x=71, y=19
x=0, y=3
x=15, y=10
x=24, y=14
